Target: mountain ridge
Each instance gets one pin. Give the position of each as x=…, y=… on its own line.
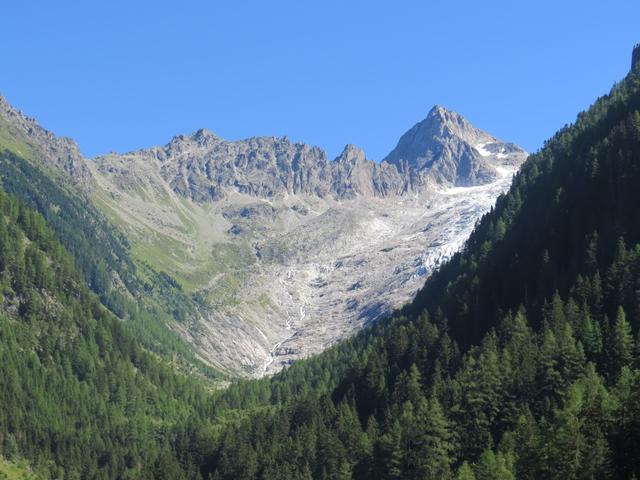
x=204, y=167
x=214, y=164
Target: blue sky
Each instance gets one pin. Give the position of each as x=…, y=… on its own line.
x=120, y=75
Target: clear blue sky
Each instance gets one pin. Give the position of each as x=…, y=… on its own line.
x=121, y=75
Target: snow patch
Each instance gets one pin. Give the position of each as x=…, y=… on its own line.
x=505, y=172
x=482, y=150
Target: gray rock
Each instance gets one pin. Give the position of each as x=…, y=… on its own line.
x=440, y=150
x=446, y=149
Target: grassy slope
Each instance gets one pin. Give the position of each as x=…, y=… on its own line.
x=191, y=251
x=10, y=140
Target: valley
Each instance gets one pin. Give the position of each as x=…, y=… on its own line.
x=227, y=309
x=284, y=261
x=260, y=252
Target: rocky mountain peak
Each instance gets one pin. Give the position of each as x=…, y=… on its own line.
x=440, y=115
x=204, y=136
x=443, y=123
x=445, y=148
x=351, y=155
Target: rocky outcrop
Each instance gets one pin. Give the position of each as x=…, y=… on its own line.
x=204, y=168
x=60, y=152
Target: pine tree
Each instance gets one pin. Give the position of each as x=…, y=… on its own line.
x=408, y=386
x=554, y=315
x=595, y=412
x=549, y=380
x=465, y=472
x=570, y=355
x=590, y=334
x=620, y=345
x=388, y=454
x=493, y=467
x=429, y=443
x=596, y=296
x=563, y=442
x=591, y=251
x=626, y=439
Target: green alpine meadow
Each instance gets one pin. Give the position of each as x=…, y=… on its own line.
x=449, y=307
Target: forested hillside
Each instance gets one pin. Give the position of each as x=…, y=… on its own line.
x=149, y=300
x=80, y=398
x=518, y=359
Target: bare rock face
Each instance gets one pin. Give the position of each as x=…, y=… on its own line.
x=446, y=149
x=60, y=152
x=442, y=150
x=203, y=168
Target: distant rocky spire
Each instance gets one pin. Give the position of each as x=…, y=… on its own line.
x=635, y=57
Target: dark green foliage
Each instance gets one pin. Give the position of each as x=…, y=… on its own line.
x=98, y=250
x=78, y=393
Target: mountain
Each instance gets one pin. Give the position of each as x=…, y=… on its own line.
x=517, y=359
x=445, y=148
x=179, y=240
x=286, y=250
x=442, y=149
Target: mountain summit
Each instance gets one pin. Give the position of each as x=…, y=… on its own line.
x=447, y=149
